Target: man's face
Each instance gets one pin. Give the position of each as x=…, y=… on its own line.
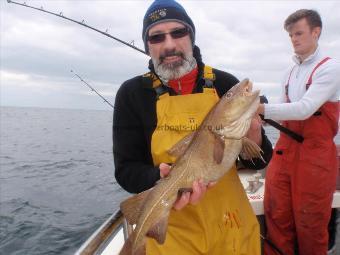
x=304, y=39
x=171, y=56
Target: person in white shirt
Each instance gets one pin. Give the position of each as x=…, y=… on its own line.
x=301, y=176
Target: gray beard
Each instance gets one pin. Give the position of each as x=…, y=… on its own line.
x=174, y=70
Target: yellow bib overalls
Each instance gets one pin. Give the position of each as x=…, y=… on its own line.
x=223, y=222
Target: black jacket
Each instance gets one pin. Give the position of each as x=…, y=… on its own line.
x=134, y=121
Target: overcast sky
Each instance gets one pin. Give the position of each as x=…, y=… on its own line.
x=38, y=50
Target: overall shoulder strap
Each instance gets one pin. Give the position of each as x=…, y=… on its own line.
x=287, y=85
x=309, y=82
x=208, y=76
x=152, y=81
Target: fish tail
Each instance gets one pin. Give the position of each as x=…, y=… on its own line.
x=127, y=248
x=130, y=249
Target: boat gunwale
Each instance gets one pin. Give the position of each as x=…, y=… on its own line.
x=102, y=235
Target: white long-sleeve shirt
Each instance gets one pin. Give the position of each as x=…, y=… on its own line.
x=325, y=87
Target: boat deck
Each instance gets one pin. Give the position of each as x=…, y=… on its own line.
x=256, y=198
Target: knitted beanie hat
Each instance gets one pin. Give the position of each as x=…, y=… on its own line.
x=162, y=11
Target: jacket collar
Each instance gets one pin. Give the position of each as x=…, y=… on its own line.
x=309, y=59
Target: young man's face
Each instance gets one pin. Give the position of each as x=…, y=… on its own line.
x=304, y=39
x=170, y=47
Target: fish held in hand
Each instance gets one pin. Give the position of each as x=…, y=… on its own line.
x=206, y=154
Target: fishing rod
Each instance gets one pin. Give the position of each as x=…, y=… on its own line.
x=82, y=23
x=297, y=137
x=88, y=85
x=273, y=123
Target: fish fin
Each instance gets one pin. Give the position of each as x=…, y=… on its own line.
x=180, y=147
x=250, y=150
x=131, y=207
x=218, y=149
x=158, y=231
x=140, y=251
x=128, y=248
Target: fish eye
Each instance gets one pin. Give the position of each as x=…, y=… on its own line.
x=229, y=94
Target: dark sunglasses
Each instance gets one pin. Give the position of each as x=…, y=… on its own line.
x=175, y=34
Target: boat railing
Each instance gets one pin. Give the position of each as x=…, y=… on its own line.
x=99, y=240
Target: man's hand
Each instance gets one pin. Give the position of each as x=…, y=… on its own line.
x=198, y=189
x=164, y=170
x=254, y=132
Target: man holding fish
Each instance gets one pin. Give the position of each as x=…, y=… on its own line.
x=173, y=116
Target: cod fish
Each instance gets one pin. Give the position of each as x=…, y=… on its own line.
x=207, y=154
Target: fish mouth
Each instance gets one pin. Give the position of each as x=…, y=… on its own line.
x=254, y=96
x=247, y=90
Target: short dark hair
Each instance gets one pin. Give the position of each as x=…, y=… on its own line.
x=313, y=18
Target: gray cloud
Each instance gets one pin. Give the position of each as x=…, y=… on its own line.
x=38, y=50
